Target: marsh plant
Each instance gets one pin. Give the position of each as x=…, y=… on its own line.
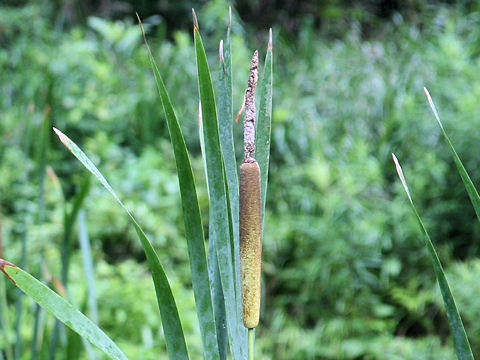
x=226, y=278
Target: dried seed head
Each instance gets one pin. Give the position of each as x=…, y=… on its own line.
x=250, y=241
x=250, y=110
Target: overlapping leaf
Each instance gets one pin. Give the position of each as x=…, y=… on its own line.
x=62, y=310
x=172, y=327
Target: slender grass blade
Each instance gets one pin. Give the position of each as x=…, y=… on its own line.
x=460, y=340
x=213, y=270
x=87, y=265
x=467, y=182
x=69, y=219
x=218, y=196
x=225, y=122
x=43, y=147
x=192, y=220
x=5, y=322
x=61, y=309
x=174, y=337
x=264, y=122
x=87, y=258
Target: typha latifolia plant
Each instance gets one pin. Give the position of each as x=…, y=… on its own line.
x=226, y=280
x=460, y=339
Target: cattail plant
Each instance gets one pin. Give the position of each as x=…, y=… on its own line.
x=216, y=278
x=250, y=209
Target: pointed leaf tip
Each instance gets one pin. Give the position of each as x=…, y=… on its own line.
x=401, y=176
x=195, y=21
x=52, y=175
x=270, y=40
x=432, y=106
x=63, y=138
x=141, y=26
x=3, y=264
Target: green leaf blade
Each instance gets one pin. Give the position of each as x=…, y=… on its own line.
x=174, y=337
x=62, y=310
x=218, y=196
x=467, y=181
x=193, y=222
x=225, y=122
x=460, y=339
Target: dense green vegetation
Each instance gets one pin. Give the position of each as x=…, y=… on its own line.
x=346, y=274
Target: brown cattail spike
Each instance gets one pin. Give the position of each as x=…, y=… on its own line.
x=250, y=241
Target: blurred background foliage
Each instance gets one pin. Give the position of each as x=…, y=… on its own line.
x=346, y=275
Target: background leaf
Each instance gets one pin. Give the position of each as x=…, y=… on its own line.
x=225, y=123
x=467, y=182
x=460, y=340
x=192, y=220
x=218, y=199
x=62, y=310
x=174, y=338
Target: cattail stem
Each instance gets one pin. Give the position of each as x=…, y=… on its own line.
x=251, y=344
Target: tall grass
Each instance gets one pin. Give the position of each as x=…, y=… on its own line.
x=460, y=339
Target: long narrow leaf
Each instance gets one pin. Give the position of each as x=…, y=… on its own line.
x=471, y=190
x=460, y=340
x=69, y=219
x=192, y=220
x=87, y=265
x=264, y=122
x=225, y=122
x=61, y=309
x=174, y=338
x=89, y=275
x=213, y=270
x=44, y=144
x=225, y=119
x=218, y=195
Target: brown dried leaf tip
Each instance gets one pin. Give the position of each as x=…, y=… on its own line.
x=63, y=138
x=195, y=21
x=3, y=264
x=141, y=25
